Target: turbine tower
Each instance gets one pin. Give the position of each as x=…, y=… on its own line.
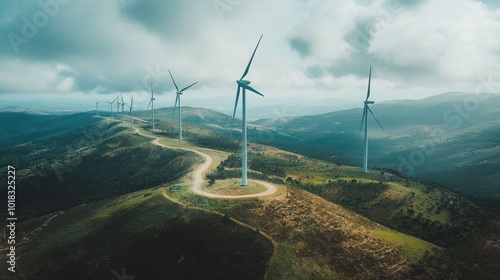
x=97, y=107
x=178, y=101
x=244, y=84
x=118, y=105
x=123, y=106
x=152, y=104
x=111, y=103
x=364, y=121
x=131, y=119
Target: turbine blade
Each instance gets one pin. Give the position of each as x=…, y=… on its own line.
x=175, y=105
x=254, y=90
x=176, y=88
x=188, y=87
x=369, y=83
x=234, y=112
x=362, y=121
x=374, y=116
x=132, y=102
x=151, y=92
x=176, y=100
x=250, y=62
x=149, y=104
x=236, y=102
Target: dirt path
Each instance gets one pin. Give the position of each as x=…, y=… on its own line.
x=197, y=177
x=198, y=173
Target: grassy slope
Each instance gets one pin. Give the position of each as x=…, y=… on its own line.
x=146, y=234
x=101, y=161
x=317, y=239
x=434, y=214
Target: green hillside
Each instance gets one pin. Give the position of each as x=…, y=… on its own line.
x=87, y=164
x=144, y=234
x=424, y=138
x=125, y=205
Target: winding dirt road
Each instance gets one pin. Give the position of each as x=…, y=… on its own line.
x=197, y=175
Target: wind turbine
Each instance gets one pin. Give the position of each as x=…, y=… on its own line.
x=117, y=104
x=178, y=101
x=244, y=84
x=364, y=121
x=111, y=103
x=131, y=104
x=97, y=107
x=152, y=104
x=123, y=105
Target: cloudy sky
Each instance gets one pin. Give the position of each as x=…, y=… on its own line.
x=313, y=52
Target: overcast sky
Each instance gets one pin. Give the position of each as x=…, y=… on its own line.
x=312, y=52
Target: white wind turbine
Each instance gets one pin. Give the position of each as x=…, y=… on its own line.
x=152, y=104
x=111, y=104
x=131, y=118
x=123, y=106
x=364, y=121
x=97, y=107
x=118, y=105
x=244, y=84
x=178, y=101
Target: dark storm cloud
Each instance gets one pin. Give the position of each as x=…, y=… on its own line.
x=171, y=19
x=300, y=45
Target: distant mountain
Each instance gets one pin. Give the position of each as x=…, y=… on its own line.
x=453, y=138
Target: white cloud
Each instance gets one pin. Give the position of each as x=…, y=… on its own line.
x=101, y=46
x=453, y=45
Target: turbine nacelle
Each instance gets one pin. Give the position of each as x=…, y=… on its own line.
x=242, y=82
x=369, y=102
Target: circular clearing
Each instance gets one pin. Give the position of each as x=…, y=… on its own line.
x=233, y=187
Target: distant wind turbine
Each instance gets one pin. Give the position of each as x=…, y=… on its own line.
x=244, y=84
x=152, y=104
x=178, y=101
x=118, y=105
x=123, y=106
x=364, y=121
x=97, y=107
x=131, y=118
x=111, y=103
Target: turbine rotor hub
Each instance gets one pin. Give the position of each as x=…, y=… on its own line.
x=242, y=82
